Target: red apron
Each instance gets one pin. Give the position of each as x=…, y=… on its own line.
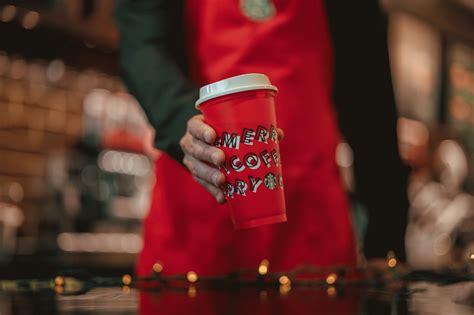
x=185, y=228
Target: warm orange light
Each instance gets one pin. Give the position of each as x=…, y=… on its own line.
x=331, y=279
x=59, y=281
x=157, y=267
x=192, y=276
x=284, y=280
x=263, y=267
x=126, y=279
x=392, y=262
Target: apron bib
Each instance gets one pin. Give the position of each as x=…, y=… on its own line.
x=287, y=40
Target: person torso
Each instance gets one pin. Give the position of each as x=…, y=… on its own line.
x=287, y=40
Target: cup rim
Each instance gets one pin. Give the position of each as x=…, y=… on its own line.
x=235, y=84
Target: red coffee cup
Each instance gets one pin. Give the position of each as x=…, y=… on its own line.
x=241, y=110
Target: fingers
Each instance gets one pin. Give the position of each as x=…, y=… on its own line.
x=210, y=178
x=203, y=171
x=201, y=150
x=200, y=130
x=198, y=142
x=205, y=152
x=215, y=191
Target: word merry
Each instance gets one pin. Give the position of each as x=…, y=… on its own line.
x=248, y=136
x=240, y=187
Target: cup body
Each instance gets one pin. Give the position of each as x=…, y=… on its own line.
x=245, y=123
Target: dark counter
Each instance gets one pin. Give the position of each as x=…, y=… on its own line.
x=414, y=298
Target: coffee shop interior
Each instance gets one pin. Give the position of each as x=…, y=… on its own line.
x=77, y=172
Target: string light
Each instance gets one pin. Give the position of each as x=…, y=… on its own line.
x=285, y=284
x=262, y=270
x=126, y=279
x=392, y=262
x=75, y=285
x=391, y=259
x=263, y=267
x=472, y=257
x=59, y=281
x=284, y=280
x=157, y=267
x=331, y=279
x=191, y=276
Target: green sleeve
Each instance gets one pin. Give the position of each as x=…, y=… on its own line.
x=151, y=71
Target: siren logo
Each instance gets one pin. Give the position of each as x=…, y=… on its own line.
x=258, y=10
x=270, y=181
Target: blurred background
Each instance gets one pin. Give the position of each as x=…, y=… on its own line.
x=76, y=165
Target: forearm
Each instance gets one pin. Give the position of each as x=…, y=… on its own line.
x=167, y=99
x=151, y=71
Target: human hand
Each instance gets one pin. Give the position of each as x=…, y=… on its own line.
x=202, y=158
x=148, y=143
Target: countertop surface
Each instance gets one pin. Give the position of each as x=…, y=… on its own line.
x=411, y=298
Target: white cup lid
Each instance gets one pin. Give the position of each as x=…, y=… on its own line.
x=240, y=83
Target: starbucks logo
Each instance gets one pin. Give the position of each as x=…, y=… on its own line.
x=270, y=181
x=258, y=10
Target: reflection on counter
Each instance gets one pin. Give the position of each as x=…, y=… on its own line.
x=417, y=298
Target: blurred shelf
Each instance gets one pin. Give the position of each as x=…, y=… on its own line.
x=29, y=141
x=21, y=163
x=96, y=29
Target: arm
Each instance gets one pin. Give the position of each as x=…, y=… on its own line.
x=152, y=63
x=367, y=114
x=152, y=67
